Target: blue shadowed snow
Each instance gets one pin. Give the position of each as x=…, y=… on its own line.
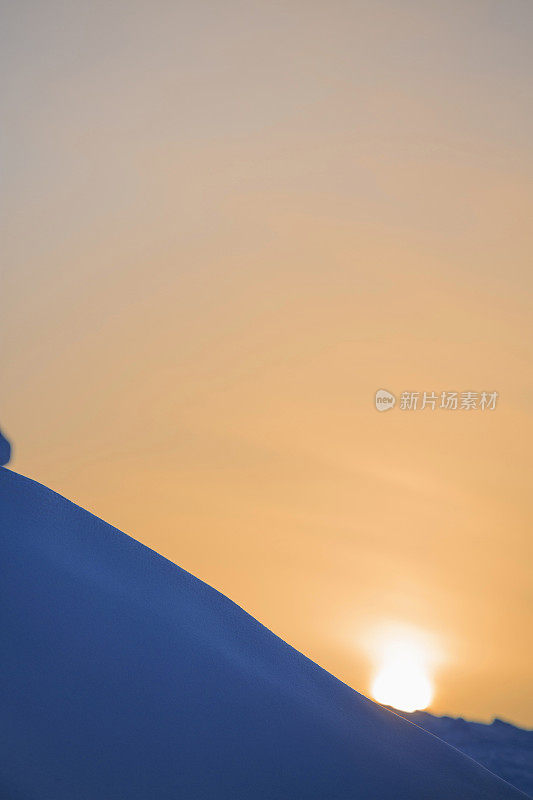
x=501, y=747
x=125, y=677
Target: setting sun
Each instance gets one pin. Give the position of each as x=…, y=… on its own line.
x=404, y=659
x=404, y=684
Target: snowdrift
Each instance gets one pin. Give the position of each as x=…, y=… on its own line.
x=125, y=677
x=501, y=747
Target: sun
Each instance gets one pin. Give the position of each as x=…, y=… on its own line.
x=403, y=676
x=403, y=684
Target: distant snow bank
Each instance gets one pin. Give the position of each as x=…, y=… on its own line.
x=122, y=676
x=5, y=450
x=501, y=747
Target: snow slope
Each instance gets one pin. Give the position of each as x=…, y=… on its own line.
x=503, y=748
x=125, y=677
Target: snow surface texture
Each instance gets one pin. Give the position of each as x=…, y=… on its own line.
x=500, y=746
x=125, y=677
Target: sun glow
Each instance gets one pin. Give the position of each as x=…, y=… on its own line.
x=403, y=677
x=403, y=684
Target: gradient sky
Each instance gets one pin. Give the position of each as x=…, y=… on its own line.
x=226, y=225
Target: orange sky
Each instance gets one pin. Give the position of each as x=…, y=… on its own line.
x=227, y=225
